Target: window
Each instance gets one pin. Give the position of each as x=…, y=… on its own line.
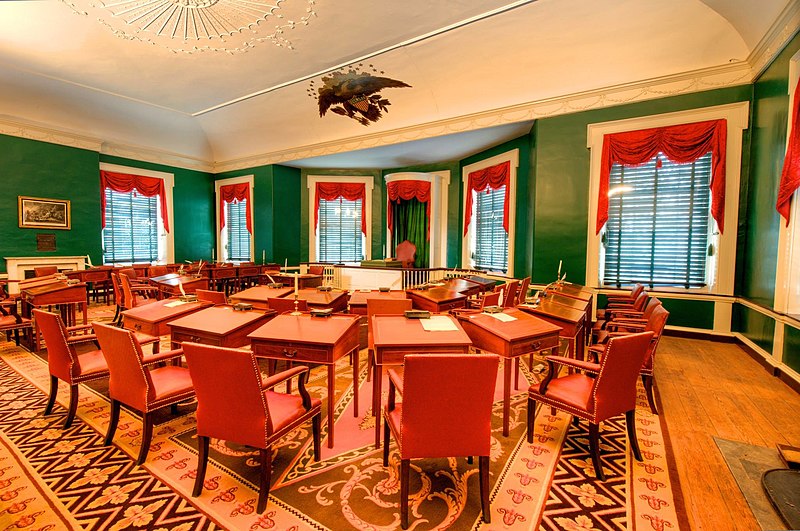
x=237, y=237
x=657, y=231
x=339, y=236
x=489, y=214
x=132, y=228
x=136, y=206
x=491, y=239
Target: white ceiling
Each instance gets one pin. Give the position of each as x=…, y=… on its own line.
x=479, y=71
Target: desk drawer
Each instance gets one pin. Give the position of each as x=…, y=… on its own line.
x=194, y=337
x=534, y=345
x=291, y=351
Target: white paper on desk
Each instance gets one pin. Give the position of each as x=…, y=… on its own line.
x=438, y=323
x=502, y=317
x=173, y=304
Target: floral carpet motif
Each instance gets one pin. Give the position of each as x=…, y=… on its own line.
x=75, y=482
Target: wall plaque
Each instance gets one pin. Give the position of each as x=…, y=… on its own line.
x=45, y=242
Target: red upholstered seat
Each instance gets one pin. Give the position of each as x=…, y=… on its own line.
x=228, y=380
x=446, y=412
x=610, y=392
x=406, y=252
x=137, y=385
x=64, y=362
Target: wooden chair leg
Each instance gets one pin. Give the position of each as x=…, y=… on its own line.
x=531, y=418
x=147, y=436
x=647, y=380
x=594, y=448
x=469, y=459
x=630, y=424
x=386, y=434
x=483, y=467
x=316, y=422
x=405, y=469
x=73, y=405
x=52, y=398
x=202, y=463
x=266, y=477
x=112, y=422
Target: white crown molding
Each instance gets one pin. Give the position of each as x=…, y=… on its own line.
x=42, y=133
x=725, y=76
x=156, y=156
x=782, y=30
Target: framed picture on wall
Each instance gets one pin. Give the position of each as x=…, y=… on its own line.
x=38, y=213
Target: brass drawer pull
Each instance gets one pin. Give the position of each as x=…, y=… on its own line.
x=289, y=354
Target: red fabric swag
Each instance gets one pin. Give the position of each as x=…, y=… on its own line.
x=235, y=192
x=680, y=143
x=397, y=190
x=349, y=191
x=122, y=182
x=493, y=178
x=790, y=177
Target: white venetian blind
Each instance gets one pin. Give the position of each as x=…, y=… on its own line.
x=236, y=227
x=132, y=227
x=491, y=239
x=339, y=231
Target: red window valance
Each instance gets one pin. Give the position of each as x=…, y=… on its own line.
x=491, y=178
x=335, y=190
x=123, y=182
x=680, y=143
x=790, y=177
x=235, y=192
x=397, y=190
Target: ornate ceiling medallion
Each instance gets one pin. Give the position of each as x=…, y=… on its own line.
x=354, y=94
x=187, y=26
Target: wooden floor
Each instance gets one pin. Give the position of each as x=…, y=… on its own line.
x=709, y=389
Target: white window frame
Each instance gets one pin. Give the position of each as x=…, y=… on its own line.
x=166, y=244
x=221, y=240
x=722, y=265
x=468, y=240
x=366, y=209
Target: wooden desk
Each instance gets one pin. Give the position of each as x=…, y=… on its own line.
x=152, y=318
x=486, y=284
x=394, y=336
x=258, y=295
x=565, y=293
x=97, y=279
x=437, y=299
x=571, y=320
x=525, y=335
x=463, y=285
x=219, y=325
x=306, y=280
x=358, y=299
x=314, y=340
x=334, y=299
x=56, y=293
x=169, y=285
x=382, y=264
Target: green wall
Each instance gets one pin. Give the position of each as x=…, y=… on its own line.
x=791, y=347
x=38, y=169
x=276, y=212
x=755, y=326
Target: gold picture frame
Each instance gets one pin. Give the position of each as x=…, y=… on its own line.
x=40, y=213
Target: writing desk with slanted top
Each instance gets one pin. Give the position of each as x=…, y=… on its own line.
x=152, y=319
x=220, y=326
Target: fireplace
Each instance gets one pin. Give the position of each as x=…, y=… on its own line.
x=21, y=267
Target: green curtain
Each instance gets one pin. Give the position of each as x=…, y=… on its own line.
x=411, y=223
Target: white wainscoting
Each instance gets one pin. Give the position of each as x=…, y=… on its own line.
x=17, y=265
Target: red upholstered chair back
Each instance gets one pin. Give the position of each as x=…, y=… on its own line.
x=43, y=271
x=131, y=272
x=61, y=357
x=316, y=270
x=119, y=297
x=523, y=290
x=640, y=302
x=655, y=324
x=286, y=304
x=157, y=271
x=223, y=388
x=406, y=252
x=490, y=299
x=384, y=307
x=652, y=304
x=447, y=405
x=217, y=297
x=615, y=386
x=636, y=290
x=129, y=381
x=510, y=294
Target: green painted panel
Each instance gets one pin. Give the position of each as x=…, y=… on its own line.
x=286, y=204
x=192, y=208
x=40, y=169
x=562, y=177
x=755, y=326
x=690, y=314
x=759, y=237
x=791, y=347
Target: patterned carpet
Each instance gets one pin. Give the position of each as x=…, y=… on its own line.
x=65, y=479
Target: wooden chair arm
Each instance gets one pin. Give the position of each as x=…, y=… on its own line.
x=301, y=371
x=152, y=359
x=575, y=364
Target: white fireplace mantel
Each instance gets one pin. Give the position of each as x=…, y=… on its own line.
x=17, y=265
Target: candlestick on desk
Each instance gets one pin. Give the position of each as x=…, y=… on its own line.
x=286, y=264
x=263, y=256
x=558, y=275
x=296, y=303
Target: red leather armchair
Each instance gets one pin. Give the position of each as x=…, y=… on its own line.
x=64, y=362
x=523, y=290
x=407, y=253
x=262, y=416
x=130, y=293
x=510, y=294
x=446, y=412
x=12, y=321
x=610, y=392
x=137, y=385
